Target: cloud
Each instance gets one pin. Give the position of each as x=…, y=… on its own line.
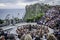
x=29, y=0
x=16, y=5
x=14, y=1
x=12, y=4
x=8, y=1
x=2, y=5
x=22, y=4
x=27, y=3
x=53, y=2
x=57, y=2
x=41, y=0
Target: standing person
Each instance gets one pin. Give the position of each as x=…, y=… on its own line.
x=30, y=27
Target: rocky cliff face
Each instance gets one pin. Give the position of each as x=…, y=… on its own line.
x=35, y=9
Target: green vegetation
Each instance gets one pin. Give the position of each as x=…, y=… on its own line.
x=34, y=18
x=1, y=21
x=35, y=12
x=17, y=20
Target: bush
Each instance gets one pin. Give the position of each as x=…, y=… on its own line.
x=1, y=21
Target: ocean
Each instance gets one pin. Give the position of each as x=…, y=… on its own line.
x=12, y=13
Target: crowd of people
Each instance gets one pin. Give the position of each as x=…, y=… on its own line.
x=35, y=32
x=32, y=32
x=6, y=35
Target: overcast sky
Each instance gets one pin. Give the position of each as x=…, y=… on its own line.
x=20, y=4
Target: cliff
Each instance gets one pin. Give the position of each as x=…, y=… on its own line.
x=35, y=11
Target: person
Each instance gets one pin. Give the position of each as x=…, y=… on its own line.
x=58, y=36
x=30, y=27
x=28, y=36
x=5, y=34
x=11, y=36
x=2, y=38
x=51, y=37
x=23, y=36
x=37, y=37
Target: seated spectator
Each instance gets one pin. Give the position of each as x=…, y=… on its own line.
x=28, y=36
x=11, y=36
x=2, y=38
x=51, y=37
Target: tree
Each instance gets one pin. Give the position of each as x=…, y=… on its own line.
x=17, y=19
x=1, y=21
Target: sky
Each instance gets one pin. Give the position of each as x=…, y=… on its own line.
x=20, y=4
